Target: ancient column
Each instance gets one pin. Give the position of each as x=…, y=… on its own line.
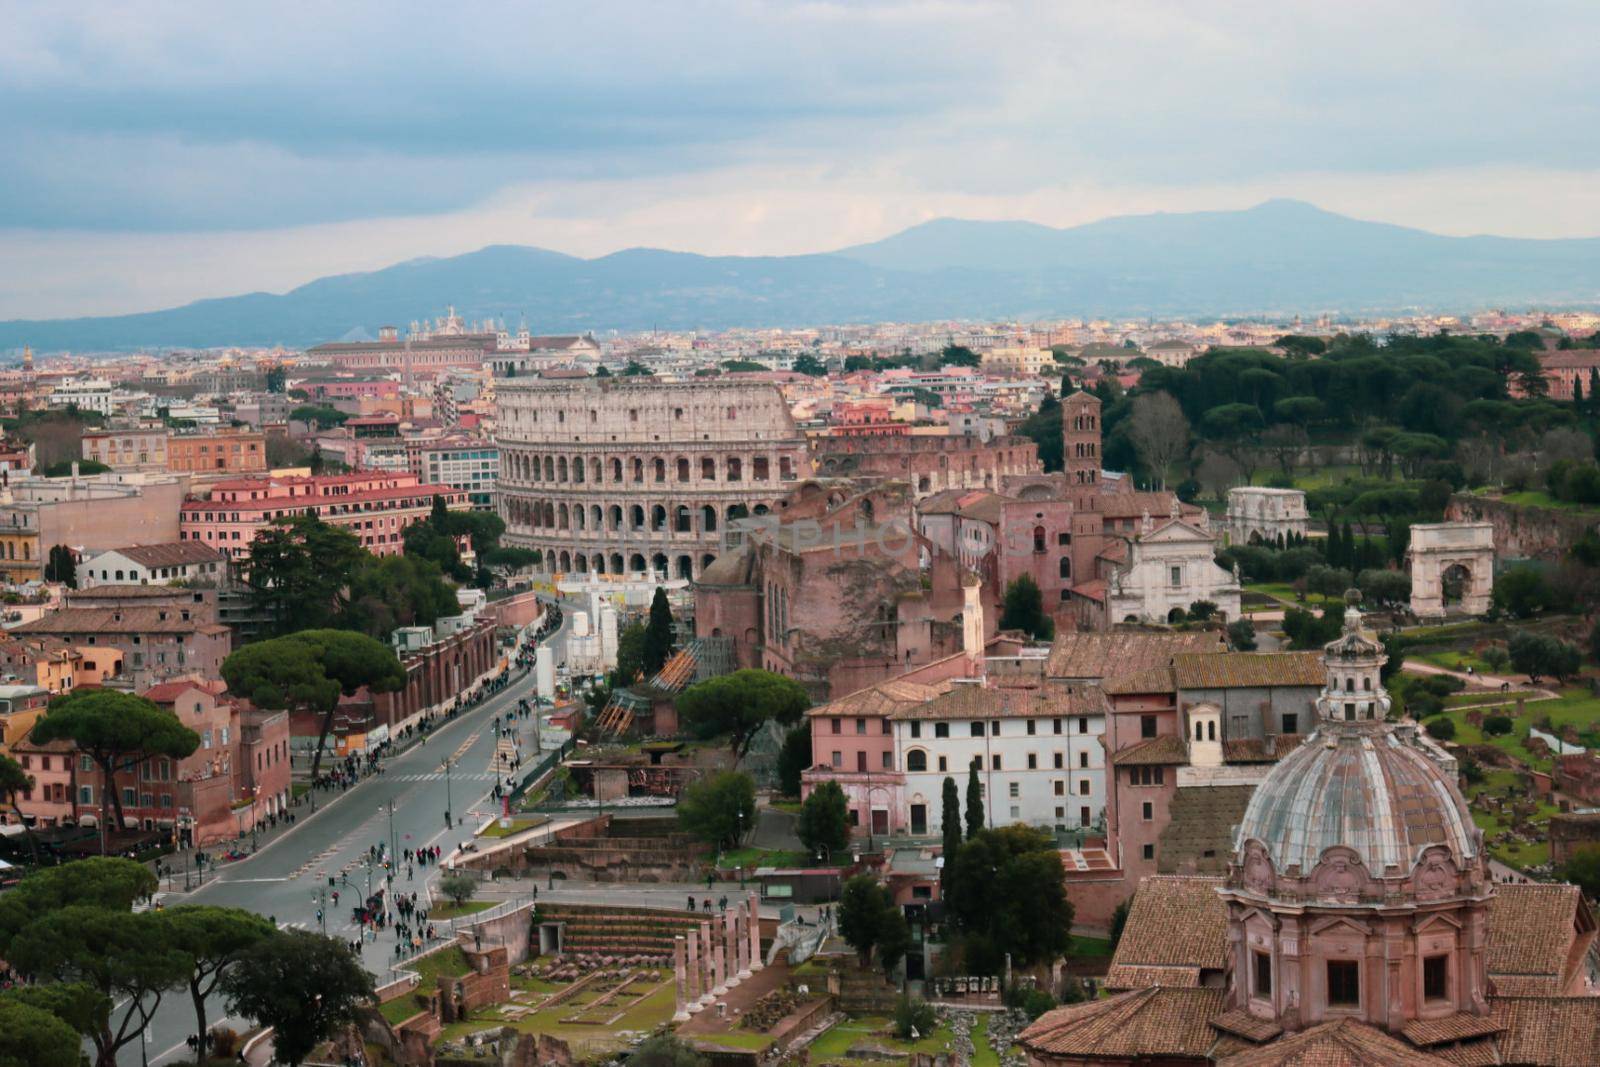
x=719, y=974
x=755, y=933
x=730, y=949
x=741, y=941
x=680, y=1013
x=697, y=979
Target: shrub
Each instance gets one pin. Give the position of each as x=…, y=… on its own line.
x=458, y=887
x=914, y=1015
x=1497, y=725
x=1441, y=728
x=1030, y=999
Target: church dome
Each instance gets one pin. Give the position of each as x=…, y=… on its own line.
x=1368, y=787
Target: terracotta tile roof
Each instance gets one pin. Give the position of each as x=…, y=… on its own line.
x=1549, y=1031
x=1483, y=1052
x=1243, y=1024
x=112, y=591
x=1165, y=750
x=117, y=621
x=1149, y=680
x=1093, y=589
x=1525, y=985
x=1145, y=1023
x=1457, y=1027
x=878, y=699
x=1175, y=921
x=1100, y=655
x=1345, y=1043
x=971, y=701
x=1140, y=976
x=172, y=554
x=1531, y=929
x=1238, y=670
x=1202, y=821
x=1255, y=750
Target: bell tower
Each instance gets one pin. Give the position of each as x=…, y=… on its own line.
x=1080, y=438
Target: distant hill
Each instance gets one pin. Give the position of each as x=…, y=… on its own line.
x=1282, y=256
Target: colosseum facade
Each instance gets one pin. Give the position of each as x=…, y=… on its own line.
x=624, y=475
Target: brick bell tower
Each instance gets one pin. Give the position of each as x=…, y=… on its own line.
x=1080, y=438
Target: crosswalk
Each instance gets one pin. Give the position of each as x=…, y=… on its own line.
x=438, y=776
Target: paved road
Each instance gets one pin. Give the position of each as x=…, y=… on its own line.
x=284, y=879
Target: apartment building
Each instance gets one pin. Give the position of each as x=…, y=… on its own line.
x=142, y=448
x=222, y=451
x=374, y=506
x=469, y=465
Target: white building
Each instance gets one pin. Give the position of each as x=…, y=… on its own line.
x=188, y=561
x=471, y=466
x=86, y=394
x=1170, y=566
x=1172, y=353
x=1256, y=513
x=1038, y=753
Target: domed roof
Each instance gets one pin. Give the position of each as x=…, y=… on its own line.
x=1366, y=786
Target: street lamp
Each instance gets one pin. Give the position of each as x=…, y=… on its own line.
x=448, y=806
x=394, y=849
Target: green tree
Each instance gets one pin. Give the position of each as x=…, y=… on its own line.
x=718, y=807
x=299, y=569
x=322, y=416
x=387, y=592
x=458, y=887
x=914, y=1019
x=810, y=366
x=34, y=1037
x=308, y=671
x=14, y=781
x=824, y=822
x=658, y=638
x=630, y=656
x=865, y=921
x=1007, y=887
x=1441, y=728
x=974, y=803
x=301, y=984
x=1541, y=655
x=794, y=758
x=1521, y=592
x=124, y=957
x=212, y=939
x=105, y=882
x=738, y=704
x=1023, y=609
x=665, y=1050
x=62, y=566
x=1119, y=923
x=111, y=727
x=1242, y=635
x=63, y=468
x=950, y=819
x=959, y=356
x=1583, y=869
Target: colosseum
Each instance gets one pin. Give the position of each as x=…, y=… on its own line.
x=628, y=475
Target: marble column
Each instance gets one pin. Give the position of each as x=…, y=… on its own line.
x=697, y=978
x=719, y=973
x=755, y=933
x=741, y=942
x=680, y=969
x=730, y=949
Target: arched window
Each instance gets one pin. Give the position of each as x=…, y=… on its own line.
x=660, y=466
x=1065, y=567
x=708, y=469
x=916, y=760
x=1211, y=730
x=1038, y=538
x=1199, y=731
x=683, y=469
x=616, y=470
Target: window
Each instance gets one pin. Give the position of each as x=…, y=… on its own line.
x=1148, y=811
x=1177, y=576
x=1344, y=983
x=1033, y=762
x=994, y=728
x=994, y=762
x=838, y=726
x=916, y=760
x=1015, y=790
x=1083, y=787
x=888, y=761
x=1083, y=761
x=1032, y=728
x=1063, y=539
x=838, y=758
x=941, y=729
x=1061, y=788
x=1291, y=723
x=977, y=729
x=1149, y=852
x=1263, y=974
x=1436, y=977
x=916, y=729
x=1083, y=725
x=943, y=765
x=1055, y=725
x=1083, y=816
x=1147, y=726
x=1060, y=762
x=861, y=726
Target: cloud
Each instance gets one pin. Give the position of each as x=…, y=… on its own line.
x=157, y=153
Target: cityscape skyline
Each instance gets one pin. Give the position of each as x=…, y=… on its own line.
x=258, y=153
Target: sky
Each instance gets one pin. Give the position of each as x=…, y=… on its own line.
x=158, y=153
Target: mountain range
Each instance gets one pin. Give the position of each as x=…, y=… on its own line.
x=1280, y=257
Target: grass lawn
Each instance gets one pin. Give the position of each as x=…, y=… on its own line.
x=1320, y=477
x=450, y=910
x=739, y=1039
x=790, y=806
x=451, y=963
x=1284, y=593
x=1451, y=660
x=982, y=1054
x=1538, y=498
x=646, y=1014
x=832, y=1045
x=1082, y=947
x=299, y=789
x=751, y=858
x=399, y=1009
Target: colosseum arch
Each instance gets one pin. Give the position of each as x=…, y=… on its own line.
x=735, y=469
x=595, y=469
x=598, y=563
x=760, y=469
x=616, y=470
x=708, y=518
x=682, y=521
x=638, y=469
x=565, y=563
x=683, y=468
x=577, y=469
x=705, y=561
x=561, y=517
x=561, y=469
x=658, y=564
x=579, y=517
x=636, y=517
x=708, y=469
x=685, y=568
x=658, y=518
x=636, y=563
x=549, y=468
x=658, y=468
x=616, y=563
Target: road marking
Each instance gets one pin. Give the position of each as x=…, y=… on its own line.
x=247, y=881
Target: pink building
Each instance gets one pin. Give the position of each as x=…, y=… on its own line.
x=374, y=505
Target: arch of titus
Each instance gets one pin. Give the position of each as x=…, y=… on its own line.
x=1461, y=552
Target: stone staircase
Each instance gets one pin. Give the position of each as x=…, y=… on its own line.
x=604, y=931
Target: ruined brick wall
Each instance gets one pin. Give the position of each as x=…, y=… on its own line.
x=1522, y=532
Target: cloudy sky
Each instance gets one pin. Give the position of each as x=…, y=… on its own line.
x=155, y=153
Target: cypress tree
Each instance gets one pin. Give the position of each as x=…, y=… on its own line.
x=950, y=821
x=658, y=633
x=1349, y=538
x=974, y=800
x=1335, y=548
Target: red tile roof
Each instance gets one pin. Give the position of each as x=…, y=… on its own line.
x=1145, y=1023
x=1346, y=1043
